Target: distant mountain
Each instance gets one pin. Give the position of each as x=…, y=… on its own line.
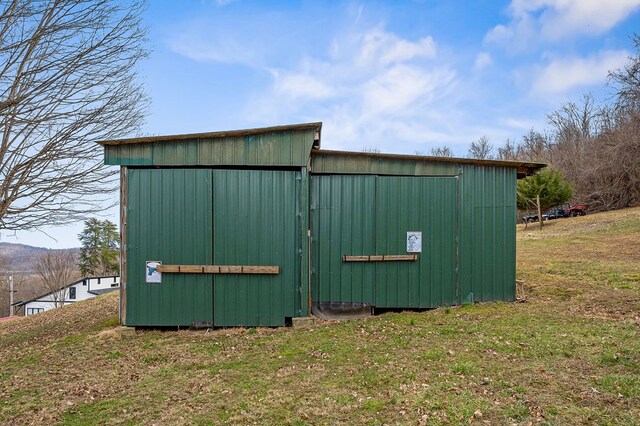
x=23, y=258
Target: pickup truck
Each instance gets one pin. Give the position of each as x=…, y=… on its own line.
x=555, y=213
x=577, y=210
x=532, y=218
x=566, y=210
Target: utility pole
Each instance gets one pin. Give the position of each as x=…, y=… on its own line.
x=11, y=295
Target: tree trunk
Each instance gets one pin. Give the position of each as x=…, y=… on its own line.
x=539, y=211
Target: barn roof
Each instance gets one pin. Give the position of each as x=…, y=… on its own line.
x=296, y=145
x=326, y=161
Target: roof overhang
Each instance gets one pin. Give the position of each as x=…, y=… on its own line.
x=524, y=168
x=222, y=134
x=141, y=151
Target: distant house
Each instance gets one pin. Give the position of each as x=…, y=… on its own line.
x=83, y=289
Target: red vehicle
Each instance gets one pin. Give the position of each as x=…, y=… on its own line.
x=577, y=210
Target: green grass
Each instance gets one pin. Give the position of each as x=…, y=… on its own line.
x=99, y=413
x=622, y=386
x=569, y=355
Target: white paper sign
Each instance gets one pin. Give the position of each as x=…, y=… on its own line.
x=152, y=275
x=414, y=242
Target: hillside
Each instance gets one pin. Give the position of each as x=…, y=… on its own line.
x=570, y=354
x=21, y=260
x=21, y=257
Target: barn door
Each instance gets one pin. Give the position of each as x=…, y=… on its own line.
x=416, y=204
x=169, y=219
x=255, y=223
x=343, y=223
x=357, y=219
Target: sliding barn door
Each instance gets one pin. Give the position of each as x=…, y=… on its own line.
x=256, y=223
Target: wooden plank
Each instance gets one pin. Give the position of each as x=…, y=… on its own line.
x=260, y=269
x=218, y=269
x=381, y=258
x=399, y=257
x=346, y=258
x=191, y=269
x=230, y=269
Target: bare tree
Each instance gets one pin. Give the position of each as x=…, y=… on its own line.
x=57, y=269
x=534, y=147
x=574, y=122
x=371, y=148
x=4, y=264
x=598, y=150
x=481, y=149
x=508, y=151
x=626, y=80
x=443, y=151
x=595, y=147
x=67, y=79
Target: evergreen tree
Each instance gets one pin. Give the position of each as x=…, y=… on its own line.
x=549, y=185
x=543, y=190
x=100, y=252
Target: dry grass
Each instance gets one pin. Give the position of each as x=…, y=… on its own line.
x=569, y=355
x=593, y=262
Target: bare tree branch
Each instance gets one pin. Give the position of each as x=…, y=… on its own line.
x=67, y=79
x=57, y=269
x=443, y=151
x=481, y=149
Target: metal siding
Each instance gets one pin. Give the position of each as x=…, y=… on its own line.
x=169, y=219
x=260, y=218
x=367, y=215
x=487, y=234
x=343, y=222
x=256, y=223
x=328, y=164
x=126, y=155
x=416, y=204
x=282, y=148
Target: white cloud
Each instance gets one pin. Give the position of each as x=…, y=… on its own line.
x=554, y=20
x=483, y=60
x=370, y=87
x=398, y=89
x=204, y=45
x=591, y=17
x=383, y=48
x=522, y=124
x=515, y=36
x=562, y=75
x=224, y=36
x=300, y=85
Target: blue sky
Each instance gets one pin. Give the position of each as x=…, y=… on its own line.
x=403, y=77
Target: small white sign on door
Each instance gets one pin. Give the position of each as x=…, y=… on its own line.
x=414, y=242
x=152, y=274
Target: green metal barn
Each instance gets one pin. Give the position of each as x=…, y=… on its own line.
x=256, y=227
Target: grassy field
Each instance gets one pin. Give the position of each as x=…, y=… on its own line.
x=570, y=354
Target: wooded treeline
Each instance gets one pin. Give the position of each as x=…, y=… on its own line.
x=595, y=146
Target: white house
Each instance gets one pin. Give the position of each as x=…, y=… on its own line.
x=83, y=289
